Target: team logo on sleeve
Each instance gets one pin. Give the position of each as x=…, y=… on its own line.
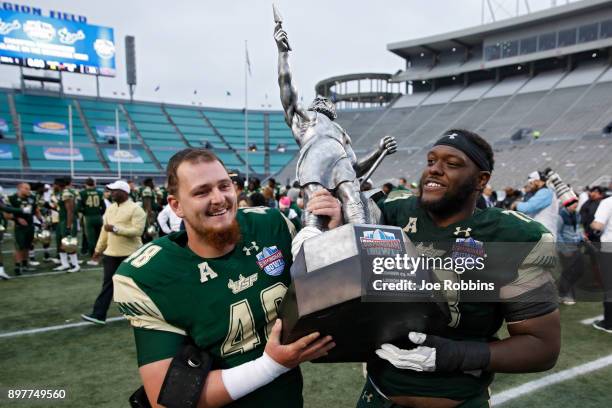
x=271, y=261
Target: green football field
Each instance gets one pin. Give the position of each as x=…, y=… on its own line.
x=96, y=366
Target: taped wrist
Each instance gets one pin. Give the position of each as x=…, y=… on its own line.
x=246, y=378
x=185, y=378
x=454, y=355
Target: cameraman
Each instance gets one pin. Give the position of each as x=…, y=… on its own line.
x=542, y=206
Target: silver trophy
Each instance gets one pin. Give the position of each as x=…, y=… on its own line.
x=331, y=269
x=327, y=160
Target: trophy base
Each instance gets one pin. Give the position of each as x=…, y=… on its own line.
x=326, y=296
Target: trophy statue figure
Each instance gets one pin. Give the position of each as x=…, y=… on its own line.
x=327, y=160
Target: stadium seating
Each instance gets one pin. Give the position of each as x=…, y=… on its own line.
x=34, y=109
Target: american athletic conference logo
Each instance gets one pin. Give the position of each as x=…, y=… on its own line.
x=271, y=261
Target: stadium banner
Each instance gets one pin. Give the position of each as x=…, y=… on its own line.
x=105, y=132
x=123, y=156
x=63, y=153
x=60, y=45
x=3, y=125
x=6, y=153
x=51, y=128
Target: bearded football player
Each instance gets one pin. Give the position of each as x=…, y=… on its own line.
x=455, y=368
x=216, y=286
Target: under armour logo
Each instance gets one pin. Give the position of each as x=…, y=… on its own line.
x=452, y=136
x=466, y=231
x=247, y=250
x=367, y=397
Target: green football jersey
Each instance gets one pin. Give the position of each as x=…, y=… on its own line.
x=91, y=202
x=27, y=206
x=65, y=195
x=135, y=195
x=487, y=233
x=147, y=193
x=226, y=305
x=41, y=203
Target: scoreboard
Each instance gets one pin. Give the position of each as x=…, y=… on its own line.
x=34, y=41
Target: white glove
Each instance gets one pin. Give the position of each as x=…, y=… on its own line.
x=304, y=234
x=421, y=358
x=27, y=209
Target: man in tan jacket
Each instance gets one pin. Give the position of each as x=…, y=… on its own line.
x=123, y=224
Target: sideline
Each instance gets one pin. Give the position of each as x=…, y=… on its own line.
x=58, y=327
x=551, y=379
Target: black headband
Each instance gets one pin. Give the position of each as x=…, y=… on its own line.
x=471, y=149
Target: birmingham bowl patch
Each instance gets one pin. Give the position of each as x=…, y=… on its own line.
x=271, y=261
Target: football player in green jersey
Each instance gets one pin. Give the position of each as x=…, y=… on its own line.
x=455, y=369
x=91, y=206
x=134, y=191
x=149, y=203
x=218, y=284
x=24, y=224
x=67, y=226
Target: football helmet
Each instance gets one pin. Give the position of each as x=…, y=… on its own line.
x=152, y=230
x=70, y=244
x=43, y=236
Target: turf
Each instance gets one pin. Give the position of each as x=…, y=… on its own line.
x=96, y=366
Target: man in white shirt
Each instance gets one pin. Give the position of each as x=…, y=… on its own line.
x=603, y=224
x=168, y=221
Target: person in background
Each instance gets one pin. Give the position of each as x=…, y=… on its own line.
x=168, y=221
x=583, y=197
x=569, y=238
x=257, y=200
x=124, y=221
x=387, y=188
x=25, y=201
x=134, y=191
x=148, y=197
x=238, y=182
x=543, y=206
x=42, y=194
x=588, y=209
x=402, y=184
x=91, y=206
x=67, y=226
x=602, y=226
x=294, y=192
x=107, y=198
x=3, y=274
x=268, y=194
x=284, y=205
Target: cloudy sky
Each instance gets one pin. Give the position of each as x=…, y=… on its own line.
x=184, y=46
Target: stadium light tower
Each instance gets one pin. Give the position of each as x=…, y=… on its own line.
x=130, y=63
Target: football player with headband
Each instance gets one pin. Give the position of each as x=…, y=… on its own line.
x=455, y=368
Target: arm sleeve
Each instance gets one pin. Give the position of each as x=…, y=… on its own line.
x=542, y=199
x=138, y=224
x=532, y=293
x=156, y=339
x=10, y=210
